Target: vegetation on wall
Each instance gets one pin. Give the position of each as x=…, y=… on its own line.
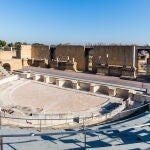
x=38, y=44
x=11, y=44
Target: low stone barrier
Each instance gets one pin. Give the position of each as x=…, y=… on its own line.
x=75, y=85
x=64, y=83
x=79, y=85
x=36, y=77
x=84, y=86
x=122, y=92
x=26, y=75
x=94, y=88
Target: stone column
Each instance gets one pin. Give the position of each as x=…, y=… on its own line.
x=32, y=60
x=133, y=56
x=57, y=60
x=107, y=59
x=68, y=58
x=124, y=61
x=99, y=60
x=73, y=60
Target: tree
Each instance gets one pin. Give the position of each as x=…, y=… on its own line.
x=24, y=43
x=37, y=44
x=2, y=43
x=18, y=44
x=10, y=44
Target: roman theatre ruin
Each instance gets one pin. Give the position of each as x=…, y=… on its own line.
x=67, y=86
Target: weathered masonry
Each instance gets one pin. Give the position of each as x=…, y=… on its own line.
x=115, y=60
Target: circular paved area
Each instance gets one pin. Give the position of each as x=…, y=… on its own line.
x=53, y=99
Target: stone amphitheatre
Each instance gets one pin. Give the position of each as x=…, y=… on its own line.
x=71, y=86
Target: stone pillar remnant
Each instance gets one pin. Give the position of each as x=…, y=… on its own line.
x=124, y=61
x=133, y=56
x=99, y=60
x=68, y=58
x=107, y=59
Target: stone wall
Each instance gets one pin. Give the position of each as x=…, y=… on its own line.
x=40, y=52
x=35, y=51
x=77, y=52
x=115, y=55
x=25, y=51
x=35, y=54
x=5, y=55
x=14, y=63
x=6, y=58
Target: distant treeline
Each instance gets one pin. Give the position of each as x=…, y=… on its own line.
x=3, y=43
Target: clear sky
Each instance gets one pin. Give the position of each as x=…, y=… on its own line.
x=75, y=21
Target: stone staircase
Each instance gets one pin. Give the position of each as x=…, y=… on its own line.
x=3, y=72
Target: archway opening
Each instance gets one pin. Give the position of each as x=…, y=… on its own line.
x=52, y=53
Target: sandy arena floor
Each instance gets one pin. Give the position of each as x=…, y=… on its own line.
x=32, y=94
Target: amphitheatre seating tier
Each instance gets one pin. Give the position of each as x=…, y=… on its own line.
x=112, y=100
x=126, y=134
x=83, y=103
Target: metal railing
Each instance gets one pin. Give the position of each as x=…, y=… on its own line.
x=50, y=120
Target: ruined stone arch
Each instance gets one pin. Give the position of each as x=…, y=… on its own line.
x=7, y=66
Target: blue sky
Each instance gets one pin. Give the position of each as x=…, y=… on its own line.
x=75, y=21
